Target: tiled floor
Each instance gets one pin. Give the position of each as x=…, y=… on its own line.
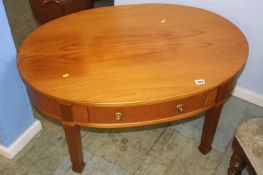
x=167, y=149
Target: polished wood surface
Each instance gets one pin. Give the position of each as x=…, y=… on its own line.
x=46, y=10
x=126, y=56
x=75, y=147
x=212, y=116
x=104, y=117
x=130, y=66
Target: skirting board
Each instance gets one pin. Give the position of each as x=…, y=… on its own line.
x=12, y=150
x=248, y=95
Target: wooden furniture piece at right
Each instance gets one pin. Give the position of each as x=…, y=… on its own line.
x=46, y=10
x=248, y=148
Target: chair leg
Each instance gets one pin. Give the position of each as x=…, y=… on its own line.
x=237, y=162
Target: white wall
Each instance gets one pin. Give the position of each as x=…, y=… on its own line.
x=248, y=16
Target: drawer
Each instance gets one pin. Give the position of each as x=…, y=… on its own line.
x=46, y=105
x=144, y=113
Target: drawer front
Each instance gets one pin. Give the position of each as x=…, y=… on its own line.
x=46, y=105
x=145, y=113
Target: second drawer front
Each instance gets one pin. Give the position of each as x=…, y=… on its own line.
x=150, y=112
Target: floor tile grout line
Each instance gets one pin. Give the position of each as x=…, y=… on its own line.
x=224, y=157
x=165, y=127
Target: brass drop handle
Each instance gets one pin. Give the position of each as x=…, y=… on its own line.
x=118, y=116
x=180, y=108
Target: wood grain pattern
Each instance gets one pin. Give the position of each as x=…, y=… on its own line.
x=75, y=147
x=104, y=117
x=46, y=105
x=149, y=112
x=140, y=61
x=46, y=10
x=209, y=128
x=212, y=115
x=125, y=56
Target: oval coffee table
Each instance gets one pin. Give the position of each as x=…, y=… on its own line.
x=130, y=66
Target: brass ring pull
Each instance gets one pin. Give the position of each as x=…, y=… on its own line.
x=180, y=108
x=118, y=116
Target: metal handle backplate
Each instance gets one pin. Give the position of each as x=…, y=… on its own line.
x=180, y=108
x=118, y=116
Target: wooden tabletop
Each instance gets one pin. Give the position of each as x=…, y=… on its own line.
x=131, y=55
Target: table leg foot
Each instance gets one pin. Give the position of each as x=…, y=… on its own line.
x=78, y=168
x=73, y=137
x=204, y=149
x=209, y=128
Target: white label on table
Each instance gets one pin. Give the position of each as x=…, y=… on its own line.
x=199, y=82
